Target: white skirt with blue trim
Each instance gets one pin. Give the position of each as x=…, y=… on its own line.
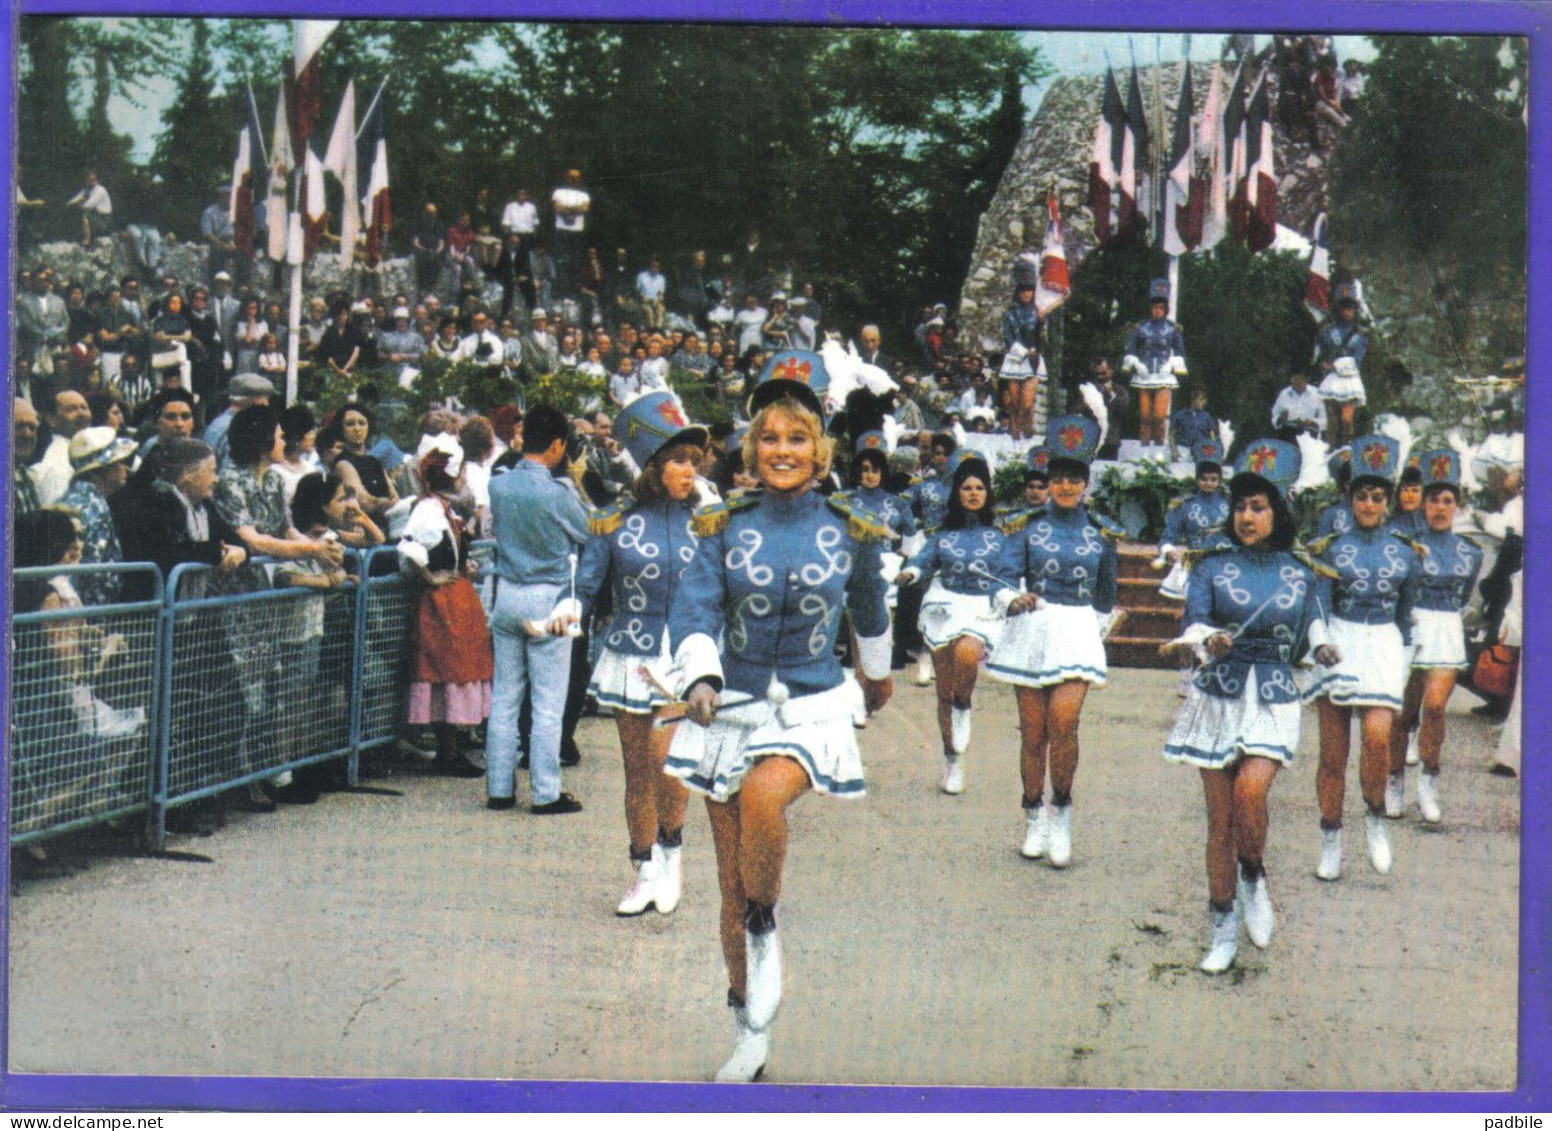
x=1214, y=731
x=1438, y=640
x=816, y=731
x=946, y=616
x=1373, y=670
x=618, y=684
x=1051, y=645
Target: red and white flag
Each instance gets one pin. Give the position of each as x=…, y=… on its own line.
x=1260, y=172
x=1211, y=159
x=1317, y=288
x=304, y=100
x=340, y=159
x=1134, y=151
x=1234, y=147
x=372, y=153
x=1105, y=160
x=245, y=175
x=1185, y=193
x=281, y=162
x=1054, y=285
x=308, y=224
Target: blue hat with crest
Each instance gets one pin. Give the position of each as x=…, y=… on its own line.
x=1037, y=461
x=1376, y=457
x=1207, y=454
x=792, y=373
x=1276, y=461
x=1072, y=439
x=652, y=422
x=1440, y=468
x=1158, y=291
x=871, y=442
x=1345, y=293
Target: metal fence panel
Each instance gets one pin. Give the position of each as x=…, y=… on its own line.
x=83, y=687
x=387, y=605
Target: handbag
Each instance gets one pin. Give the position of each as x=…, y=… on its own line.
x=1495, y=670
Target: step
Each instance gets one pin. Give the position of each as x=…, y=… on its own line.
x=1151, y=625
x=1130, y=652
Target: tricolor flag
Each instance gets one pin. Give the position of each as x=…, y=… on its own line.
x=1234, y=149
x=372, y=155
x=1105, y=160
x=1210, y=152
x=1317, y=288
x=314, y=216
x=304, y=102
x=281, y=163
x=1054, y=285
x=1133, y=152
x=340, y=159
x=1184, y=192
x=250, y=159
x=1260, y=173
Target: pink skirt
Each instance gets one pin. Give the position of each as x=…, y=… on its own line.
x=462, y=704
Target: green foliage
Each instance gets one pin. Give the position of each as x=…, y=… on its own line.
x=569, y=390
x=699, y=397
x=1138, y=495
x=1008, y=483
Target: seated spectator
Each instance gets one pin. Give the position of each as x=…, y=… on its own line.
x=172, y=340
x=625, y=386
x=650, y=289
x=96, y=209
x=101, y=463
x=300, y=429
x=271, y=362
x=654, y=369
x=1190, y=426
x=460, y=240
x=251, y=330
x=1298, y=409
x=481, y=345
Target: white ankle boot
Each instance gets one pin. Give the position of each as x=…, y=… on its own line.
x=1330, y=866
x=1059, y=846
x=670, y=881
x=1222, y=942
x=1255, y=903
x=643, y=893
x=1395, y=795
x=959, y=729
x=1412, y=756
x=763, y=964
x=953, y=776
x=1379, y=842
x=1428, y=797
x=923, y=676
x=751, y=1048
x=1034, y=833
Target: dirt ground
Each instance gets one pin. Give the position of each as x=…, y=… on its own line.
x=423, y=936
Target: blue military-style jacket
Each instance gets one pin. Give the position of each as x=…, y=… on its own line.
x=1196, y=522
x=1338, y=340
x=1375, y=578
x=1021, y=324
x=971, y=561
x=929, y=499
x=1154, y=341
x=893, y=509
x=1335, y=519
x=770, y=580
x=642, y=551
x=1449, y=570
x=1264, y=599
x=1068, y=557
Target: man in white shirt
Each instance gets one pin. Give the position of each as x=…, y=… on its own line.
x=51, y=475
x=1298, y=408
x=481, y=345
x=521, y=216
x=571, y=203
x=650, y=288
x=96, y=209
x=749, y=322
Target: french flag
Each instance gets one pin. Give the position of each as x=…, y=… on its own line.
x=1054, y=285
x=250, y=157
x=1105, y=160
x=340, y=159
x=1184, y=192
x=376, y=202
x=1317, y=288
x=1260, y=174
x=1133, y=152
x=303, y=91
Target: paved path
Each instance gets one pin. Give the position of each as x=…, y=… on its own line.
x=424, y=936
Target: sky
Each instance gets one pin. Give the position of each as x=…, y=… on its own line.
x=1071, y=53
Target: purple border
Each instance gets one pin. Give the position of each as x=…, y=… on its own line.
x=1529, y=18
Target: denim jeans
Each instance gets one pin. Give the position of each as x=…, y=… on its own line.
x=524, y=663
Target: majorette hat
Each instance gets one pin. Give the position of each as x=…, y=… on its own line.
x=1072, y=439
x=1340, y=463
x=1158, y=291
x=1345, y=293
x=795, y=373
x=1037, y=462
x=1024, y=273
x=1208, y=454
x=1276, y=462
x=652, y=422
x=872, y=441
x=1440, y=468
x=1375, y=458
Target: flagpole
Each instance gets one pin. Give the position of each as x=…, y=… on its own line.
x=370, y=107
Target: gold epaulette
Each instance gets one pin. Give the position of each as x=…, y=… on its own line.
x=1173, y=503
x=1110, y=529
x=862, y=525
x=1018, y=521
x=1190, y=558
x=1417, y=547
x=608, y=520
x=1320, y=545
x=714, y=517
x=1318, y=567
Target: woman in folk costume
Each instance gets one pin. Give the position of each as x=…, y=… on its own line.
x=1022, y=366
x=1365, y=614
x=771, y=709
x=1155, y=359
x=452, y=663
x=961, y=613
x=1445, y=579
x=1249, y=606
x=1053, y=648
x=641, y=546
x=1194, y=522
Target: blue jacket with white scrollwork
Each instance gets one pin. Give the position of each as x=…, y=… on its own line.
x=643, y=551
x=1262, y=599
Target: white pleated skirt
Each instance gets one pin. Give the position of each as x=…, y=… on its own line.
x=1335, y=388
x=1373, y=671
x=946, y=616
x=1213, y=732
x=815, y=731
x=618, y=684
x=1438, y=640
x=1051, y=645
